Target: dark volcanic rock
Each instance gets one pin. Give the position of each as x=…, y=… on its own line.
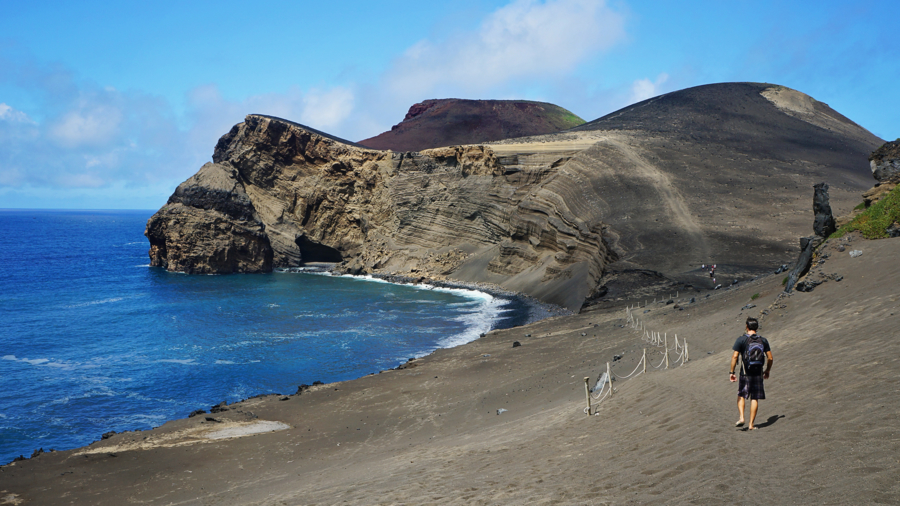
x=804, y=261
x=885, y=161
x=451, y=122
x=226, y=234
x=823, y=224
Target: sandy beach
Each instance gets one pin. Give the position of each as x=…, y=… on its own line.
x=430, y=433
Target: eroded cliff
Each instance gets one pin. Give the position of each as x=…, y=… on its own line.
x=278, y=194
x=625, y=206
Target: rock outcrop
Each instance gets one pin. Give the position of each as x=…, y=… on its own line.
x=209, y=226
x=704, y=175
x=298, y=196
x=885, y=161
x=823, y=221
x=450, y=122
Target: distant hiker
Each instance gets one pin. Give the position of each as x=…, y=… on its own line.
x=753, y=350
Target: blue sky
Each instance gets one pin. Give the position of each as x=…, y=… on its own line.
x=110, y=105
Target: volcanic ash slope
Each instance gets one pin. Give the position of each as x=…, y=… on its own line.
x=719, y=173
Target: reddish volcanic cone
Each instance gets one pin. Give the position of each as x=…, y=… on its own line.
x=449, y=122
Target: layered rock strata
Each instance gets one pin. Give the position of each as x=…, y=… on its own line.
x=282, y=194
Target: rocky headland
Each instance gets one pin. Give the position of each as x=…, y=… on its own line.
x=713, y=174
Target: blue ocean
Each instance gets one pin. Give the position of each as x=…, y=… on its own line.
x=93, y=340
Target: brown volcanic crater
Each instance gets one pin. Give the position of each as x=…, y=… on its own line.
x=453, y=121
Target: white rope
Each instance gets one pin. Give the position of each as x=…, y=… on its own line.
x=654, y=338
x=632, y=372
x=602, y=387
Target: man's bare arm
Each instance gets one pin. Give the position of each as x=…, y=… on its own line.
x=734, y=359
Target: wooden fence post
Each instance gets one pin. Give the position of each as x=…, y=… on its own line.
x=587, y=394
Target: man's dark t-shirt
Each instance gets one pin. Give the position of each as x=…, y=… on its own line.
x=740, y=346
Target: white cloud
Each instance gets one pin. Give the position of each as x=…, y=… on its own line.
x=525, y=38
x=213, y=115
x=325, y=110
x=642, y=89
x=11, y=115
x=89, y=124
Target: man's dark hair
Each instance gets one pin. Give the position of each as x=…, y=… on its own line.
x=752, y=324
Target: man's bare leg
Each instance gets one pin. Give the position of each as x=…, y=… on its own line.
x=754, y=404
x=741, y=411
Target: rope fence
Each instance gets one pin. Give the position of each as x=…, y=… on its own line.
x=680, y=351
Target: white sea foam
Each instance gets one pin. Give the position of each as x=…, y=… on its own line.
x=477, y=322
x=95, y=302
x=39, y=361
x=224, y=362
x=183, y=361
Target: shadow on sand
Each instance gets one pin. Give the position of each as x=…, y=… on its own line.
x=771, y=421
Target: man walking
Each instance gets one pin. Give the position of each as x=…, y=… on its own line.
x=753, y=350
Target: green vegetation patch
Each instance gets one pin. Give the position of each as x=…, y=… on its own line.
x=875, y=220
x=754, y=296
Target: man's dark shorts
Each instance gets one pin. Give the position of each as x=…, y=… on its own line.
x=751, y=387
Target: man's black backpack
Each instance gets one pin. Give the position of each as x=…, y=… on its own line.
x=754, y=354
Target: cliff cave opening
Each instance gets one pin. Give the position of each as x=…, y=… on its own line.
x=311, y=251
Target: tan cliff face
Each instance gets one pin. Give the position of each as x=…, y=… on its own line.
x=278, y=194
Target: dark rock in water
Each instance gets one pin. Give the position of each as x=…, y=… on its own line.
x=317, y=383
x=107, y=435
x=824, y=221
x=19, y=458
x=885, y=161
x=516, y=344
x=197, y=412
